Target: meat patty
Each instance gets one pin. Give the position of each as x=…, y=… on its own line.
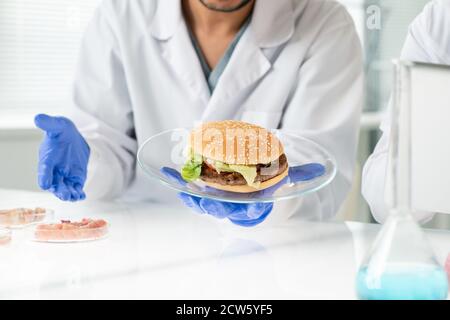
x=264, y=172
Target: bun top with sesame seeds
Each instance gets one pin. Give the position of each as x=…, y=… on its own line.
x=236, y=143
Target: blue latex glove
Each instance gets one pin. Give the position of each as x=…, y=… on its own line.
x=63, y=158
x=245, y=215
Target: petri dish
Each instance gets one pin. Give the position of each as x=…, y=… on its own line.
x=18, y=218
x=67, y=231
x=168, y=150
x=5, y=236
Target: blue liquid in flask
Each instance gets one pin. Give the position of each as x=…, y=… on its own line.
x=403, y=282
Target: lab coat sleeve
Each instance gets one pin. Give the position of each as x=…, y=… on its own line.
x=424, y=43
x=429, y=35
x=101, y=109
x=326, y=107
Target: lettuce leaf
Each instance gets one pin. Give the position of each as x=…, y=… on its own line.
x=192, y=169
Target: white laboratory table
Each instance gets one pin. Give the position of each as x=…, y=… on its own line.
x=157, y=251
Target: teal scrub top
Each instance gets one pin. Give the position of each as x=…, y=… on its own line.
x=213, y=76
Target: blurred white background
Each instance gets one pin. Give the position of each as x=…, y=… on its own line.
x=39, y=43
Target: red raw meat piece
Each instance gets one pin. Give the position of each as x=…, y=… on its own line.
x=87, y=229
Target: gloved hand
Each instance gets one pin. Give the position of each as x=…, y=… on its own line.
x=245, y=215
x=63, y=158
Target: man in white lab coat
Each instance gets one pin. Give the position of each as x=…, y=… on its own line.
x=151, y=65
x=428, y=41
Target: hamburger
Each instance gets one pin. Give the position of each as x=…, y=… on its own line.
x=235, y=156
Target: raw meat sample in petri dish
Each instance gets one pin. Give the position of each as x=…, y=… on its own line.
x=5, y=236
x=22, y=217
x=68, y=231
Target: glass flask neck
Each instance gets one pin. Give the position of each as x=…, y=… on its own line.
x=401, y=213
x=401, y=145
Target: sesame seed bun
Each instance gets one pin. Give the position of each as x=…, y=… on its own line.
x=247, y=188
x=235, y=142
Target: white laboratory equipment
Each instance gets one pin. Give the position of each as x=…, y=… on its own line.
x=401, y=264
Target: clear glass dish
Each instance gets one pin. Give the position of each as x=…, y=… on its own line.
x=168, y=150
x=66, y=231
x=5, y=236
x=18, y=218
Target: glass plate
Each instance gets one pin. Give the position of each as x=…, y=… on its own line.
x=168, y=149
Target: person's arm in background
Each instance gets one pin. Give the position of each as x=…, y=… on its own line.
x=101, y=111
x=426, y=42
x=326, y=108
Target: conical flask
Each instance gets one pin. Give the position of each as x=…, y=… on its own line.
x=401, y=264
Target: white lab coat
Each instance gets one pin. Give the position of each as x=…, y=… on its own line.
x=297, y=67
x=428, y=41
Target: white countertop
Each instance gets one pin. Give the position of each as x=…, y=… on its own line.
x=156, y=251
